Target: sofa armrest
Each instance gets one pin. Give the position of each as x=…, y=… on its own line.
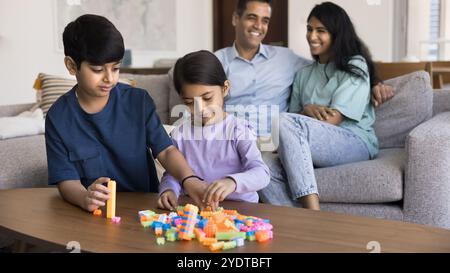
x=441, y=101
x=427, y=178
x=14, y=110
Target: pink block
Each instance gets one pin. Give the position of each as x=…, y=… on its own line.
x=116, y=220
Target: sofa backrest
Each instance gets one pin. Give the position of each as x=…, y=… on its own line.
x=158, y=88
x=411, y=106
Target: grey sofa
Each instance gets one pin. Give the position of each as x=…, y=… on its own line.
x=410, y=180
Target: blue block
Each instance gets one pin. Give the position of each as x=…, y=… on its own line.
x=156, y=224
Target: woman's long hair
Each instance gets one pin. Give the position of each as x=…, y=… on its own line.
x=345, y=42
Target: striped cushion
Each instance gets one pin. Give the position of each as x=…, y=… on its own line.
x=51, y=87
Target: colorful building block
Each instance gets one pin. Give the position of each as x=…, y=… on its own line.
x=227, y=236
x=189, y=221
x=217, y=246
x=218, y=230
x=111, y=203
x=160, y=240
x=158, y=231
x=229, y=245
x=262, y=236
x=97, y=212
x=240, y=242
x=116, y=220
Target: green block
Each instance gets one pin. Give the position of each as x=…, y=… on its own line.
x=229, y=245
x=160, y=241
x=227, y=236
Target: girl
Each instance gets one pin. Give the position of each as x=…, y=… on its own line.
x=220, y=148
x=331, y=117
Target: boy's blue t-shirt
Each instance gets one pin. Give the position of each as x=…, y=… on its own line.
x=112, y=143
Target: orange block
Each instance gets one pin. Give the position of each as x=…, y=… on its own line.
x=210, y=230
x=262, y=236
x=97, y=212
x=111, y=203
x=209, y=241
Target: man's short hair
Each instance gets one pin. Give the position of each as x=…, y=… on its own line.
x=242, y=5
x=94, y=39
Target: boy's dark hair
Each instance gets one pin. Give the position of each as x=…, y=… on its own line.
x=242, y=5
x=345, y=41
x=201, y=67
x=94, y=39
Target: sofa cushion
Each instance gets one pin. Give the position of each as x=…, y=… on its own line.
x=158, y=88
x=411, y=105
x=52, y=87
x=24, y=162
x=375, y=181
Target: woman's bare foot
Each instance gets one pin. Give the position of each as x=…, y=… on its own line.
x=310, y=202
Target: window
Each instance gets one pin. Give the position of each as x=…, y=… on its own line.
x=428, y=37
x=435, y=41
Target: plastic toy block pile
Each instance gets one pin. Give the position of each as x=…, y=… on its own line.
x=218, y=230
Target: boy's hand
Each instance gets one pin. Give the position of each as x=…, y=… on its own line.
x=167, y=200
x=318, y=112
x=96, y=195
x=218, y=191
x=196, y=189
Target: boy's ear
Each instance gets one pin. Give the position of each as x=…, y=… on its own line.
x=226, y=88
x=71, y=65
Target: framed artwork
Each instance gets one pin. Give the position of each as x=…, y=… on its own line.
x=144, y=24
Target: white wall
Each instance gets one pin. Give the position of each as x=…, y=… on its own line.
x=27, y=43
x=372, y=19
x=418, y=29
x=26, y=48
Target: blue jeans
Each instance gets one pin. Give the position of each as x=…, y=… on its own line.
x=305, y=144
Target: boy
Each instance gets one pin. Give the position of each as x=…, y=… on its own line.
x=102, y=129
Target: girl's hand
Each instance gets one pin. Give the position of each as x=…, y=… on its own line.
x=96, y=195
x=318, y=112
x=218, y=191
x=168, y=200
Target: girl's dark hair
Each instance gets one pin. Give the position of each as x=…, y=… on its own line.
x=201, y=67
x=94, y=39
x=345, y=42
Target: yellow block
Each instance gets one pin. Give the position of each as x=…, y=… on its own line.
x=111, y=203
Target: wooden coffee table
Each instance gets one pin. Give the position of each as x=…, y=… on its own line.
x=41, y=217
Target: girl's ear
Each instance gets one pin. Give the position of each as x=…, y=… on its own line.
x=71, y=65
x=226, y=88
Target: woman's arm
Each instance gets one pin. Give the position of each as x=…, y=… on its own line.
x=324, y=114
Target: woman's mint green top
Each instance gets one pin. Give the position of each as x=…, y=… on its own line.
x=339, y=90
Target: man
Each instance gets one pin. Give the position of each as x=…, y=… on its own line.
x=261, y=75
